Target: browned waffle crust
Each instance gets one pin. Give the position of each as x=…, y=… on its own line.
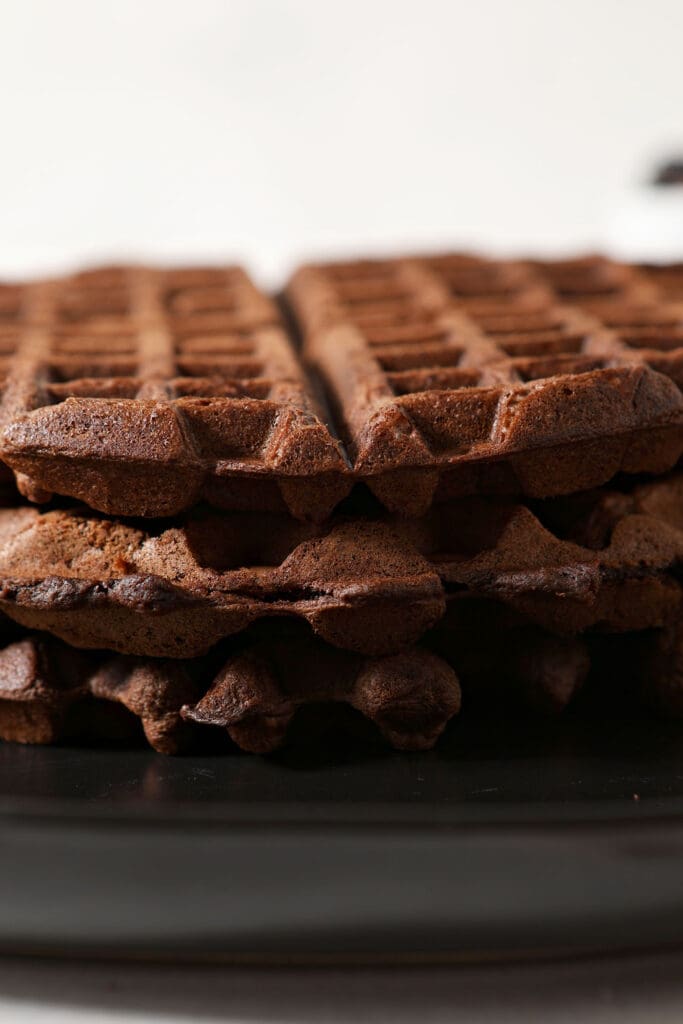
x=455, y=374
x=142, y=391
x=138, y=391
x=604, y=560
x=50, y=692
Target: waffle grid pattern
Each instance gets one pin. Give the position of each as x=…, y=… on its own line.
x=459, y=360
x=529, y=317
x=141, y=392
x=180, y=375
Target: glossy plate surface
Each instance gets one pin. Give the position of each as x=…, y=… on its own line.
x=510, y=839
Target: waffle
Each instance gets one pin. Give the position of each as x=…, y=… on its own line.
x=138, y=391
x=457, y=375
x=604, y=560
x=50, y=691
x=508, y=666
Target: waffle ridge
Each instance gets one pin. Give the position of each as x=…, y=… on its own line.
x=140, y=390
x=456, y=374
x=49, y=691
x=607, y=560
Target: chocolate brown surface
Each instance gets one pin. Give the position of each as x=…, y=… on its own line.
x=49, y=691
x=455, y=374
x=251, y=692
x=141, y=391
x=604, y=560
x=138, y=391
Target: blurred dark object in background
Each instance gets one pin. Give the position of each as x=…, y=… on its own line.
x=670, y=173
x=645, y=223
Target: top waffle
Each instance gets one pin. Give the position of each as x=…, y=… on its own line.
x=140, y=391
x=454, y=374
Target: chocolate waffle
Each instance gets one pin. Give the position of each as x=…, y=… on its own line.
x=140, y=391
x=604, y=560
x=49, y=691
x=456, y=375
x=512, y=669
x=137, y=391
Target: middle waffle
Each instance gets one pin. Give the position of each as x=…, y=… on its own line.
x=605, y=560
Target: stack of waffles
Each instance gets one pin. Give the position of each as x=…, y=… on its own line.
x=406, y=485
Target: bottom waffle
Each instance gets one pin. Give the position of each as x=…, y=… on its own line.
x=51, y=692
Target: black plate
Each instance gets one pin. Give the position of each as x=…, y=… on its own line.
x=507, y=840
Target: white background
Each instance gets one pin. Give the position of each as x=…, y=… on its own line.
x=267, y=131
